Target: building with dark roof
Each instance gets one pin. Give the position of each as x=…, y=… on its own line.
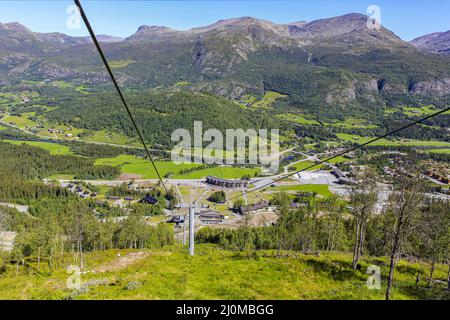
x=148, y=200
x=211, y=217
x=226, y=183
x=338, y=173
x=263, y=204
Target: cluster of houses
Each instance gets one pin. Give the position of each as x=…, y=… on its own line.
x=82, y=192
x=226, y=183
x=211, y=217
x=205, y=217
x=340, y=176
x=438, y=175
x=261, y=205
x=59, y=131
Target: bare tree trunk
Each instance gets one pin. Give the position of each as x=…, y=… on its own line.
x=448, y=275
x=39, y=259
x=362, y=235
x=356, y=247
x=430, y=278
x=393, y=259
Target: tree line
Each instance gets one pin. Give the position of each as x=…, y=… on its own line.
x=411, y=225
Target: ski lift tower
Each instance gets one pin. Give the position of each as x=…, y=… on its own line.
x=192, y=208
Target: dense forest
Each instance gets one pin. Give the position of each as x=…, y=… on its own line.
x=28, y=162
x=410, y=227
x=54, y=228
x=22, y=167
x=158, y=114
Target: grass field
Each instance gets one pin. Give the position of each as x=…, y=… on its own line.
x=385, y=142
x=305, y=164
x=414, y=111
x=353, y=123
x=54, y=148
x=298, y=119
x=19, y=121
x=320, y=189
x=133, y=165
x=110, y=137
x=337, y=160
x=446, y=151
x=217, y=274
x=220, y=172
x=422, y=111
x=267, y=100
x=117, y=64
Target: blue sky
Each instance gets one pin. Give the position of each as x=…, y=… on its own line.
x=408, y=19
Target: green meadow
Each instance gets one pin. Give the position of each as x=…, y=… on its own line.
x=385, y=142
x=446, y=151
x=19, y=121
x=143, y=167
x=220, y=172
x=320, y=189
x=139, y=166
x=337, y=160
x=305, y=164
x=216, y=274
x=53, y=148
x=352, y=123
x=110, y=137
x=298, y=119
x=117, y=64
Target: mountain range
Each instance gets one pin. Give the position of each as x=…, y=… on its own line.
x=337, y=61
x=438, y=43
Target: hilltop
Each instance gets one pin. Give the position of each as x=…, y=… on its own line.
x=217, y=274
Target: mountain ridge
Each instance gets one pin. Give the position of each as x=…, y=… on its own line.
x=337, y=60
x=437, y=43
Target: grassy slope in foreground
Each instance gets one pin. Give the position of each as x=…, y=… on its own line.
x=217, y=274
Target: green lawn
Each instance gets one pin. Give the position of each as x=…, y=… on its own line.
x=414, y=111
x=298, y=119
x=385, y=142
x=220, y=172
x=19, y=121
x=217, y=274
x=337, y=160
x=54, y=148
x=446, y=151
x=305, y=164
x=117, y=64
x=133, y=165
x=422, y=111
x=320, y=189
x=267, y=100
x=353, y=123
x=110, y=137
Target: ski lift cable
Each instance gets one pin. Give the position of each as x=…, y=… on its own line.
x=344, y=152
x=119, y=91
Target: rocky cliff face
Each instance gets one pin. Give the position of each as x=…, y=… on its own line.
x=432, y=88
